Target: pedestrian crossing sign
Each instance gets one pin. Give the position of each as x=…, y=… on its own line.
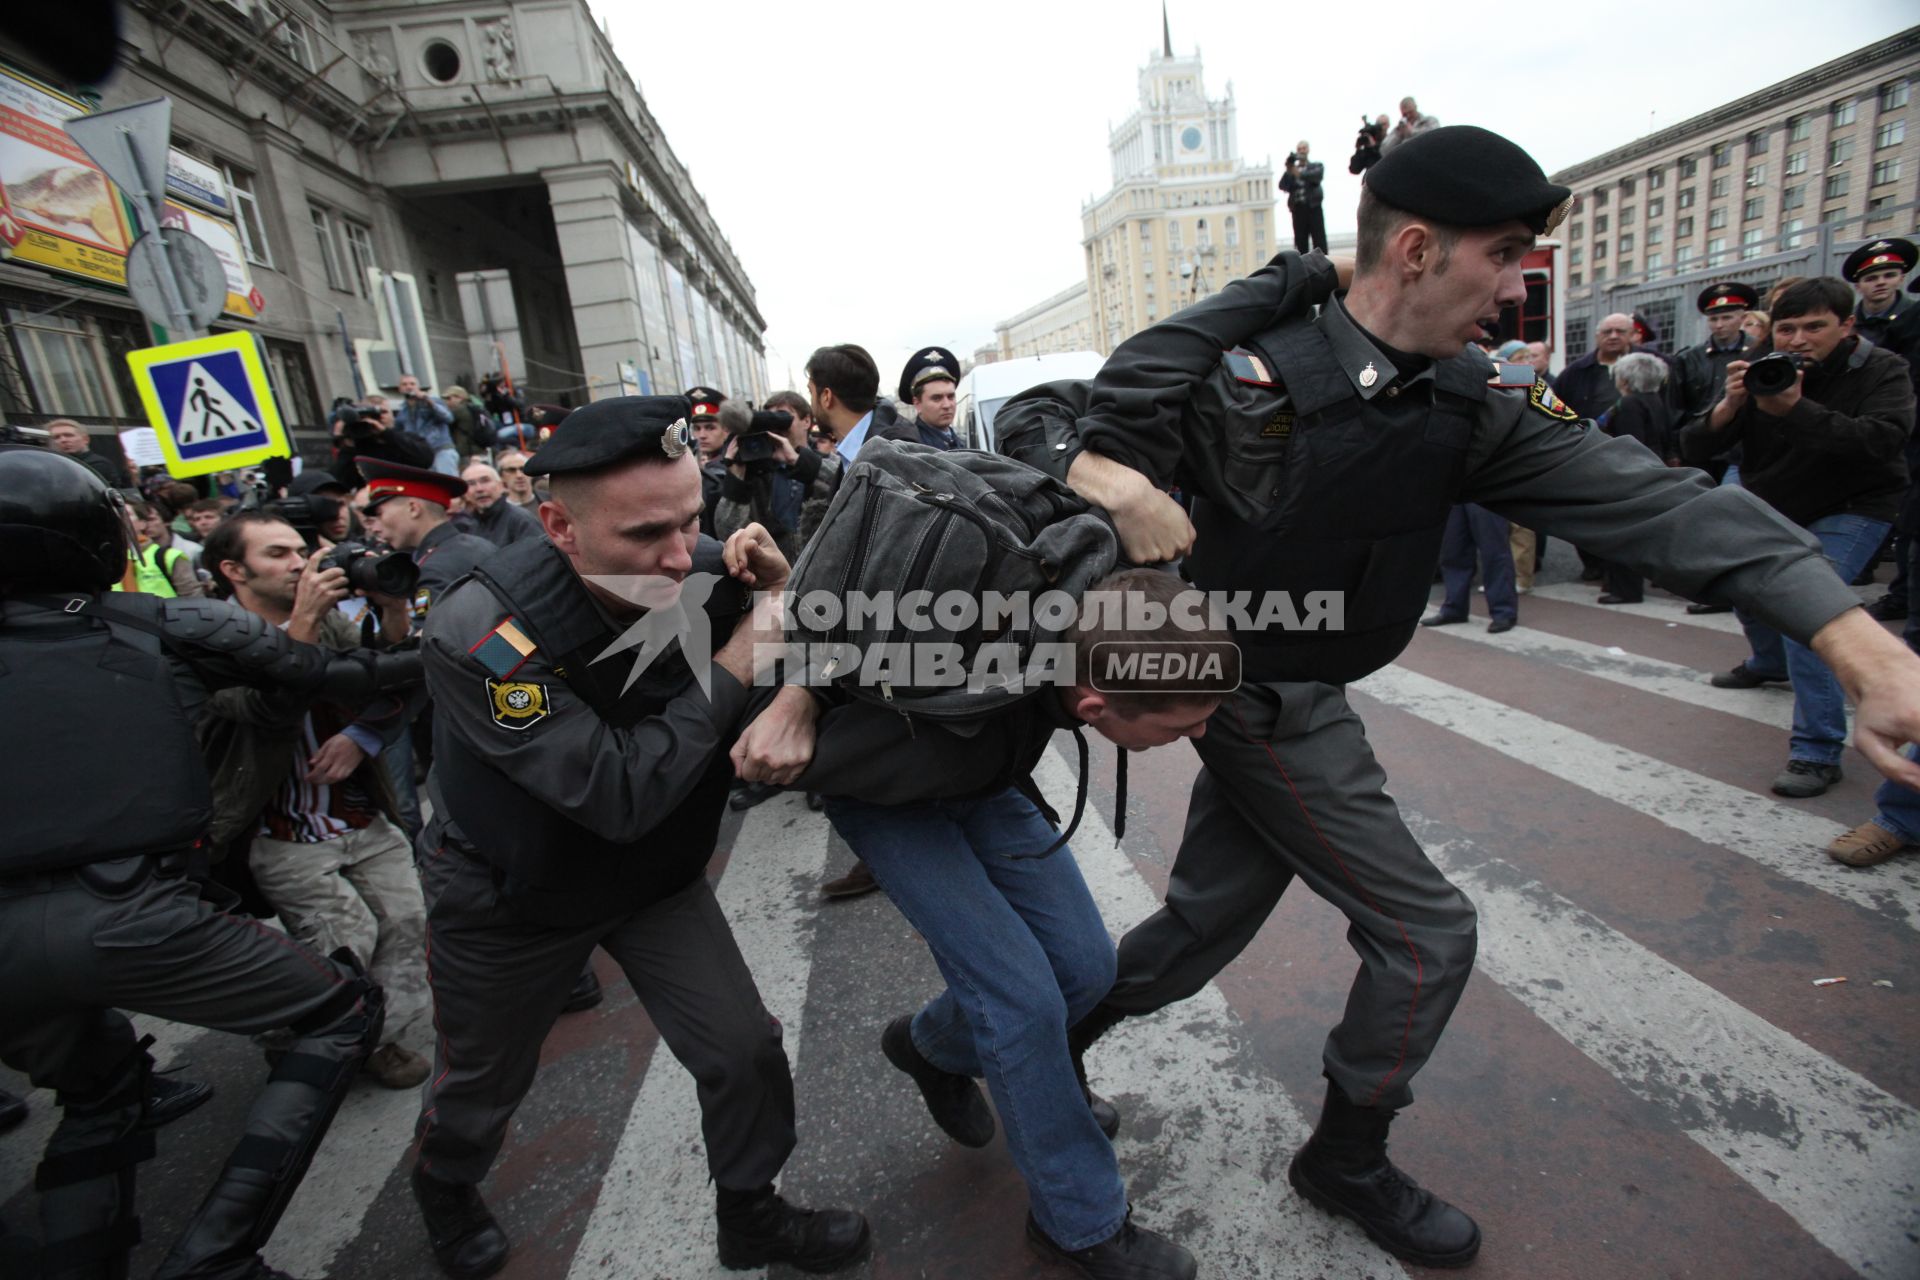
x=209, y=403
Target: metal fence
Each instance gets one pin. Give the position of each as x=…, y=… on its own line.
x=1667, y=301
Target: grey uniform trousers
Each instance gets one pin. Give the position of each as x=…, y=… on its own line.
x=1290, y=788
x=498, y=983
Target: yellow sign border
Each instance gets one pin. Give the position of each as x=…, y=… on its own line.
x=247, y=346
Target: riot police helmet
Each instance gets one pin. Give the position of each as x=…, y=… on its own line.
x=61, y=527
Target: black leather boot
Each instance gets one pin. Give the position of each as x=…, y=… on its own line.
x=954, y=1101
x=1131, y=1253
x=467, y=1242
x=1080, y=1038
x=1344, y=1169
x=758, y=1227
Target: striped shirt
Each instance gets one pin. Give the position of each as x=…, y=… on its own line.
x=303, y=812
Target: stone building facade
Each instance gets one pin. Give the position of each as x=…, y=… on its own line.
x=1063, y=322
x=440, y=187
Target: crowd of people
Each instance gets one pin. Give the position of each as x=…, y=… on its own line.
x=392, y=718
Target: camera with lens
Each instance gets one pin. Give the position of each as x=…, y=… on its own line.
x=754, y=430
x=375, y=569
x=356, y=421
x=1772, y=374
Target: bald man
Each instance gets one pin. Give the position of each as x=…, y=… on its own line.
x=1587, y=383
x=494, y=518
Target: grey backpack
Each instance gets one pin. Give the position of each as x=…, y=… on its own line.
x=910, y=518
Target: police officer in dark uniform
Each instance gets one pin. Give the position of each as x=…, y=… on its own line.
x=420, y=526
x=106, y=688
x=927, y=383
x=576, y=806
x=1875, y=270
x=1323, y=455
x=1702, y=368
x=706, y=402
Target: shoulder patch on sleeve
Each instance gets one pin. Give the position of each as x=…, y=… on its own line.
x=1542, y=399
x=1247, y=367
x=518, y=704
x=503, y=650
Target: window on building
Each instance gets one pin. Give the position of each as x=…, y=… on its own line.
x=1600, y=224
x=1716, y=251
x=1750, y=211
x=1893, y=95
x=430, y=298
x=1656, y=207
x=1599, y=250
x=1756, y=175
x=1790, y=233
x=1577, y=331
x=1799, y=128
x=1683, y=229
x=290, y=35
x=1685, y=199
x=72, y=364
x=1879, y=208
x=329, y=248
x=1654, y=263
x=1574, y=279
x=1717, y=188
x=1146, y=266
x=246, y=208
x=1721, y=154
x=1624, y=266
x=1837, y=186
x=1716, y=217
x=1233, y=231
x=1689, y=165
x=1576, y=255
x=1793, y=197
x=1202, y=235
x=1146, y=233
x=359, y=241
x=1626, y=242
x=1796, y=162
x=1890, y=134
x=1173, y=235
x=1259, y=219
x=1886, y=171
x=1600, y=198
x=1656, y=179
x=1599, y=273
x=1844, y=112
x=1626, y=186
x=1757, y=143
x=1626, y=216
x=1684, y=254
x=1656, y=235
x=1579, y=230
x=1839, y=151
x=1750, y=241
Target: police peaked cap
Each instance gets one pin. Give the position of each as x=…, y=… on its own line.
x=1460, y=175
x=617, y=429
x=397, y=480
x=1876, y=255
x=1729, y=295
x=927, y=364
x=705, y=401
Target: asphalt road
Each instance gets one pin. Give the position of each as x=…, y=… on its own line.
x=1641, y=1081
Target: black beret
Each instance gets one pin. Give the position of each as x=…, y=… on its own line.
x=926, y=364
x=1464, y=176
x=398, y=480
x=1729, y=295
x=1878, y=254
x=614, y=430
x=705, y=401
x=312, y=481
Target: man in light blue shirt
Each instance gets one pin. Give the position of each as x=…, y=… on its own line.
x=429, y=418
x=844, y=384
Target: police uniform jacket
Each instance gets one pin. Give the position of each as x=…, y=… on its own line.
x=588, y=796
x=1319, y=465
x=445, y=556
x=1839, y=450
x=1876, y=328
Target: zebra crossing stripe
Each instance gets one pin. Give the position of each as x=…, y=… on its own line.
x=1779, y=837
x=1771, y=705
x=1831, y=1148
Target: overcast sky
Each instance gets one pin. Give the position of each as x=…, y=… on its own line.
x=902, y=174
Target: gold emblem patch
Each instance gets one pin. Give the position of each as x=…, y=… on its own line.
x=1279, y=427
x=1542, y=398
x=517, y=704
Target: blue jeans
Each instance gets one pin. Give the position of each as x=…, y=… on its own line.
x=1819, y=706
x=397, y=759
x=1899, y=806
x=1025, y=955
x=1471, y=531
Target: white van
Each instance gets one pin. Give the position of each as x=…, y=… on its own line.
x=988, y=386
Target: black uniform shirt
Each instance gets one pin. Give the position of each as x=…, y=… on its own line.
x=444, y=556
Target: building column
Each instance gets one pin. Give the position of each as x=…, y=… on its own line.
x=590, y=219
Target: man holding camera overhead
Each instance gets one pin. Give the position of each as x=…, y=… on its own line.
x=1822, y=423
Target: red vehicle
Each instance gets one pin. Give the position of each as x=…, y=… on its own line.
x=1543, y=316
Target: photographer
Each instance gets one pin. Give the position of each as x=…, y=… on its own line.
x=367, y=431
x=772, y=477
x=1301, y=182
x=428, y=417
x=1366, y=145
x=1822, y=423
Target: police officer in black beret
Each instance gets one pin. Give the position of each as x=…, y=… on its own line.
x=576, y=805
x=1323, y=455
x=928, y=383
x=1875, y=270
